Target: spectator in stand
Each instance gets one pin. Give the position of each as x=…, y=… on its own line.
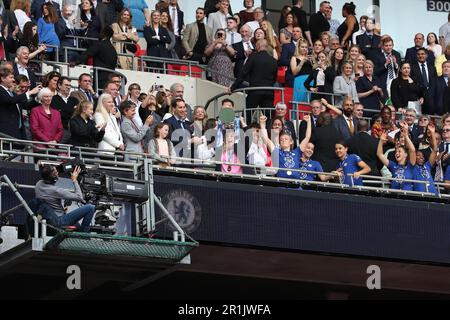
x=37, y=10
x=233, y=36
x=105, y=114
x=140, y=12
x=177, y=91
x=350, y=164
x=260, y=16
x=346, y=124
x=365, y=146
x=359, y=66
x=199, y=120
x=358, y=111
x=433, y=44
x=218, y=20
x=65, y=30
x=134, y=91
x=288, y=49
x=21, y=9
x=157, y=38
x=282, y=21
x=386, y=62
x=160, y=147
x=321, y=78
x=334, y=24
x=23, y=85
x=177, y=23
x=369, y=42
x=65, y=104
x=133, y=134
x=369, y=89
x=349, y=26
x=29, y=38
x=344, y=85
x=257, y=154
x=288, y=126
x=301, y=66
x=337, y=62
x=405, y=92
x=362, y=28
x=271, y=38
x=148, y=107
x=276, y=128
x=247, y=14
x=317, y=107
x=287, y=32
x=219, y=54
x=50, y=81
x=229, y=155
x=260, y=34
x=300, y=14
x=103, y=54
x=316, y=49
x=385, y=125
x=108, y=11
x=414, y=130
x=325, y=38
x=405, y=160
x=334, y=43
x=212, y=6
x=318, y=22
x=243, y=49
x=21, y=67
x=259, y=77
x=443, y=151
x=46, y=30
x=441, y=59
x=11, y=112
x=425, y=75
x=124, y=31
x=411, y=53
x=324, y=138
x=89, y=21
x=352, y=54
x=45, y=121
x=197, y=37
x=164, y=4
x=83, y=130
x=444, y=33
x=85, y=90
x=442, y=91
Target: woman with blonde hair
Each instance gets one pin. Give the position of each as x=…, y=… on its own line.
x=271, y=38
x=106, y=114
x=300, y=68
x=344, y=85
x=124, y=32
x=84, y=131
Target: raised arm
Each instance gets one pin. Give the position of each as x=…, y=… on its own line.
x=305, y=141
x=409, y=144
x=433, y=155
x=336, y=110
x=384, y=160
x=269, y=144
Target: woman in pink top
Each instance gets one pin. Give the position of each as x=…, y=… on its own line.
x=229, y=154
x=45, y=121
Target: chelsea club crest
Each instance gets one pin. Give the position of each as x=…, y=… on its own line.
x=184, y=208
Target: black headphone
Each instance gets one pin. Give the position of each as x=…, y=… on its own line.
x=46, y=174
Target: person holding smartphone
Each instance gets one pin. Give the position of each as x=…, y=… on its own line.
x=219, y=54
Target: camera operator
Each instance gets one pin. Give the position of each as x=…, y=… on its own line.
x=48, y=192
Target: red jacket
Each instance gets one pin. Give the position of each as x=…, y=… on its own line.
x=46, y=127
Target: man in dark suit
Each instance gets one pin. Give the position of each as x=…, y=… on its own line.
x=243, y=49
x=85, y=90
x=21, y=67
x=177, y=17
x=288, y=49
x=415, y=131
x=302, y=21
x=181, y=129
x=64, y=28
x=11, y=122
x=442, y=91
x=387, y=62
x=346, y=124
x=65, y=104
x=365, y=146
x=369, y=42
x=318, y=22
x=411, y=53
x=425, y=74
x=259, y=76
x=36, y=8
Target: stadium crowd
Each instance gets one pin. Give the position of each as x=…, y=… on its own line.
x=351, y=60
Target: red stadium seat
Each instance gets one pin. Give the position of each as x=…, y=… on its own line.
x=281, y=75
x=196, y=72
